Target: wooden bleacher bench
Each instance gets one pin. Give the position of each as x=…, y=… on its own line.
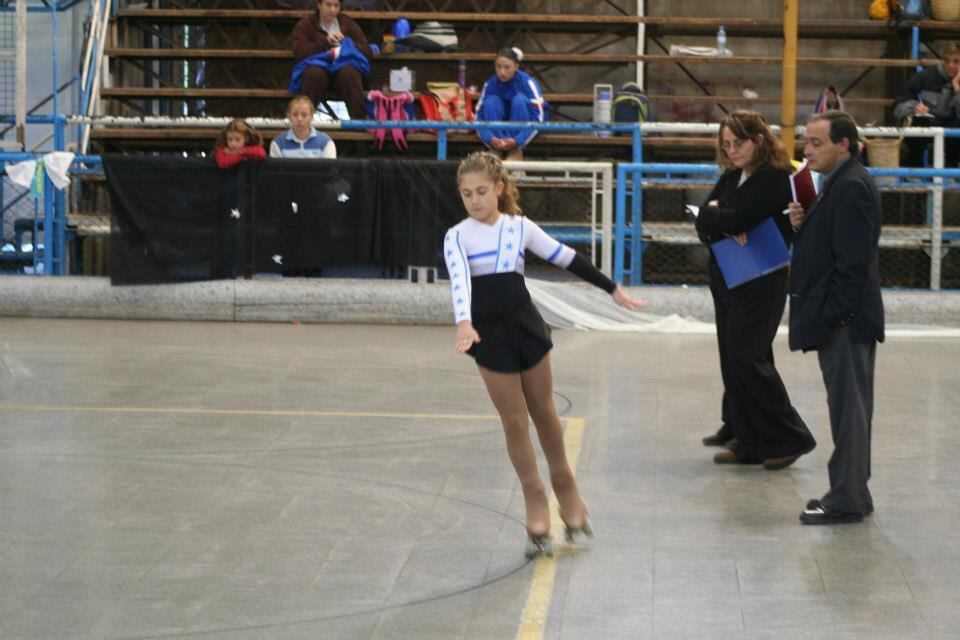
x=281, y=15
x=178, y=138
x=201, y=133
x=539, y=61
x=700, y=26
x=529, y=58
x=179, y=93
x=89, y=224
x=176, y=93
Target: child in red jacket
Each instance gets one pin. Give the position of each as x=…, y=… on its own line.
x=238, y=142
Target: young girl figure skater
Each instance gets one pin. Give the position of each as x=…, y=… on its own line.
x=500, y=327
x=238, y=142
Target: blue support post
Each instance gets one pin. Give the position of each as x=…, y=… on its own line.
x=915, y=45
x=620, y=226
x=49, y=244
x=442, y=144
x=53, y=55
x=636, y=243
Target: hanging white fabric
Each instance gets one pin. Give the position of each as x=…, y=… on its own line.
x=57, y=165
x=21, y=173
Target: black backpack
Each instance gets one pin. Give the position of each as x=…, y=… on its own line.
x=631, y=105
x=432, y=37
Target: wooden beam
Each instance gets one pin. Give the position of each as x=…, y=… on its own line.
x=788, y=87
x=530, y=58
x=208, y=135
x=578, y=58
x=174, y=93
x=733, y=25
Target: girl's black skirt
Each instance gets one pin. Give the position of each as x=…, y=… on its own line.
x=513, y=335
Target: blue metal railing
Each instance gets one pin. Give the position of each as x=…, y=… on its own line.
x=443, y=129
x=50, y=6
x=628, y=214
x=48, y=257
x=628, y=222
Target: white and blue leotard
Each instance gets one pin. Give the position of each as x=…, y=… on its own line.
x=473, y=249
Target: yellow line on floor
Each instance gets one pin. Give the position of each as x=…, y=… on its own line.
x=38, y=408
x=534, y=620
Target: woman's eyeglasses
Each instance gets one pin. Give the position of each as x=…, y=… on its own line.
x=735, y=144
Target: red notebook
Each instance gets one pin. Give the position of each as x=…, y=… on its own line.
x=802, y=186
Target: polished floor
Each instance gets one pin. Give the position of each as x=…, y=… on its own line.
x=242, y=481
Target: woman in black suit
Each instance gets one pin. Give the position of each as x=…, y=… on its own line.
x=754, y=186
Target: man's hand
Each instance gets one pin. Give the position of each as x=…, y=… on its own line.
x=797, y=214
x=923, y=110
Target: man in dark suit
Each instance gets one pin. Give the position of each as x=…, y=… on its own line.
x=836, y=308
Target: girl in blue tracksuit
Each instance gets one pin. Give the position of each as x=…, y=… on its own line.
x=510, y=95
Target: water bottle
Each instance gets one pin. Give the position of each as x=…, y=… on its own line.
x=462, y=74
x=721, y=41
x=602, y=101
x=912, y=10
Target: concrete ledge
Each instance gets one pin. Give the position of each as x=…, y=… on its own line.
x=88, y=297
x=337, y=300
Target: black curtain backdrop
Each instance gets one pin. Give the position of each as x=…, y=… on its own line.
x=174, y=219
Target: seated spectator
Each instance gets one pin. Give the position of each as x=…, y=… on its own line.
x=932, y=98
x=510, y=95
x=319, y=33
x=302, y=140
x=238, y=142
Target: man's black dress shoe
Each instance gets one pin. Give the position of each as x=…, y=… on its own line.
x=813, y=504
x=816, y=513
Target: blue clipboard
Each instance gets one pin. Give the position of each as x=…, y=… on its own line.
x=764, y=253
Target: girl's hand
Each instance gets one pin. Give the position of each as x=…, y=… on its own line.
x=739, y=238
x=625, y=300
x=335, y=38
x=467, y=336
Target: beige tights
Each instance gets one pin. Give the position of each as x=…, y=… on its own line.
x=530, y=393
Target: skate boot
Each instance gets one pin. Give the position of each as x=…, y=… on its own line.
x=539, y=541
x=538, y=546
x=573, y=511
x=570, y=531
